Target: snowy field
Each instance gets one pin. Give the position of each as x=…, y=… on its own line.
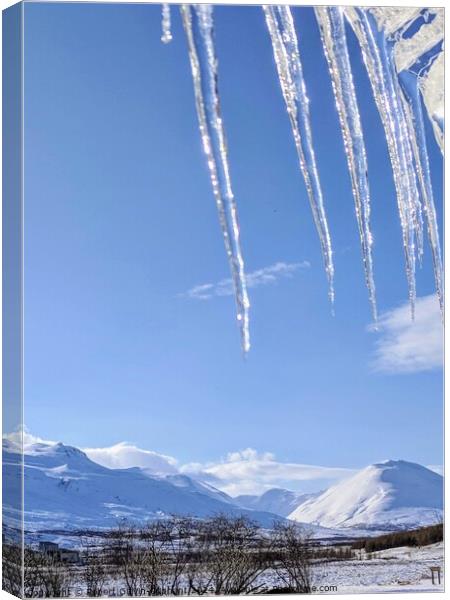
x=404, y=569
x=394, y=570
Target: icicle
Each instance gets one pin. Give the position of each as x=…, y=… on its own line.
x=413, y=109
x=166, y=24
x=387, y=42
x=287, y=58
x=379, y=65
x=332, y=29
x=198, y=25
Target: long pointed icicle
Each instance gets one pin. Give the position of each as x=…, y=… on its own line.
x=391, y=110
x=332, y=29
x=413, y=108
x=166, y=24
x=388, y=44
x=287, y=58
x=198, y=25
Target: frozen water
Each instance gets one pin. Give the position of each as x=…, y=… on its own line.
x=402, y=52
x=290, y=74
x=198, y=24
x=332, y=29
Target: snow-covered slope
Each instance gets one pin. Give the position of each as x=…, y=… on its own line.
x=64, y=489
x=277, y=500
x=391, y=494
x=192, y=485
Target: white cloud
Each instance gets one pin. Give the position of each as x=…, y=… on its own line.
x=22, y=438
x=407, y=346
x=265, y=276
x=125, y=455
x=250, y=472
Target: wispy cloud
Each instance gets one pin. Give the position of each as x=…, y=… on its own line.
x=22, y=439
x=265, y=276
x=407, y=346
x=251, y=472
x=244, y=472
x=125, y=455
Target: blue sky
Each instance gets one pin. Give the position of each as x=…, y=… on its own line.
x=120, y=224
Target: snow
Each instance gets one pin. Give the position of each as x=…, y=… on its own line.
x=277, y=500
x=432, y=86
x=393, y=18
x=66, y=490
x=396, y=569
x=393, y=493
x=393, y=570
x=409, y=50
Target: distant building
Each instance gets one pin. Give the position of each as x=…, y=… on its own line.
x=65, y=555
x=48, y=547
x=69, y=556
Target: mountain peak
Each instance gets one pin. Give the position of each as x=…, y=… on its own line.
x=390, y=462
x=393, y=493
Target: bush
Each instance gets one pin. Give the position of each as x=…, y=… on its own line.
x=416, y=537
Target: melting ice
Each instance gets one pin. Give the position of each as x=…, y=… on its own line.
x=402, y=52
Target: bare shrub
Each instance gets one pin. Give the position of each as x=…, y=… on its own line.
x=293, y=557
x=56, y=577
x=222, y=555
x=95, y=572
x=168, y=545
x=33, y=576
x=128, y=559
x=415, y=537
x=152, y=560
x=42, y=576
x=12, y=571
x=231, y=557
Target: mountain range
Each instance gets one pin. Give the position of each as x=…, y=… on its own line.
x=66, y=490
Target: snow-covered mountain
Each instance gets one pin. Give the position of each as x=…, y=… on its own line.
x=64, y=489
x=387, y=495
x=277, y=500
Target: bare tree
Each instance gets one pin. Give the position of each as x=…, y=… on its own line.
x=56, y=577
x=198, y=571
x=293, y=554
x=33, y=573
x=168, y=546
x=11, y=569
x=222, y=555
x=128, y=559
x=95, y=571
x=235, y=556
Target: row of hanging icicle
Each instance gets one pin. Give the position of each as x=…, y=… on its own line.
x=401, y=49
